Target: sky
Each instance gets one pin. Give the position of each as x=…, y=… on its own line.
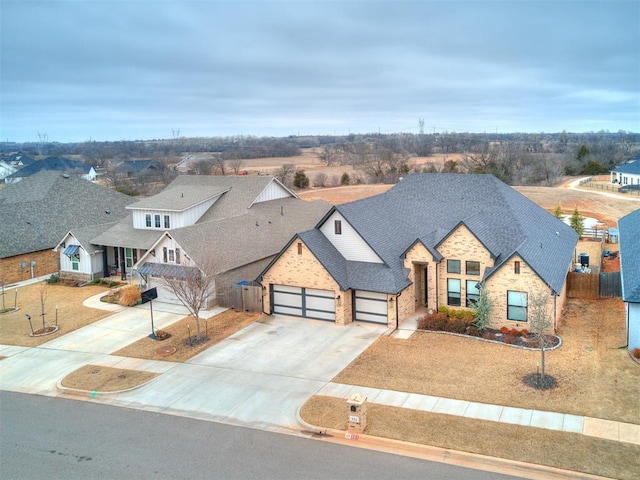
x=107, y=70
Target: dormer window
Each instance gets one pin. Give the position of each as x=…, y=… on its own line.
x=167, y=223
x=147, y=220
x=157, y=219
x=337, y=226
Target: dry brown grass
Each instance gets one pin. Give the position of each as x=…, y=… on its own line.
x=534, y=445
x=96, y=378
x=129, y=296
x=595, y=375
x=14, y=327
x=217, y=328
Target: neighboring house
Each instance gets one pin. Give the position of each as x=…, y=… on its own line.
x=185, y=165
x=629, y=231
x=627, y=173
x=57, y=164
x=38, y=211
x=80, y=259
x=238, y=224
x=139, y=168
x=430, y=241
x=6, y=169
x=18, y=160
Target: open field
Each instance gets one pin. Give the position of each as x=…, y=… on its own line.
x=14, y=327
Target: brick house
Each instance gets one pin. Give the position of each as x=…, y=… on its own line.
x=432, y=240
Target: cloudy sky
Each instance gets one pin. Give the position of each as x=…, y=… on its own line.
x=142, y=69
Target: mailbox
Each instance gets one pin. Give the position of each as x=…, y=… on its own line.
x=357, y=411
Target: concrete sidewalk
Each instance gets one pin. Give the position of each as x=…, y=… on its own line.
x=564, y=422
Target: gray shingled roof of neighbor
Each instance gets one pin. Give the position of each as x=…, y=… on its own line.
x=259, y=233
x=427, y=207
x=133, y=166
x=632, y=166
x=84, y=235
x=629, y=227
x=38, y=211
x=58, y=164
x=122, y=234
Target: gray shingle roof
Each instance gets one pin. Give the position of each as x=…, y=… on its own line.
x=632, y=166
x=84, y=235
x=38, y=211
x=58, y=164
x=629, y=227
x=427, y=207
x=122, y=234
x=259, y=233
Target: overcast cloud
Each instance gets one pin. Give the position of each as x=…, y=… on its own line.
x=136, y=69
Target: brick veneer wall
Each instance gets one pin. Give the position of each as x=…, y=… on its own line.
x=11, y=270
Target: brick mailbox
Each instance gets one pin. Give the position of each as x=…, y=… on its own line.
x=357, y=410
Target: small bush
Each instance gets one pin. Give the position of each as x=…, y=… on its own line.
x=504, y=330
x=53, y=278
x=473, y=331
x=488, y=335
x=130, y=295
x=510, y=339
x=514, y=332
x=524, y=332
x=636, y=353
x=435, y=322
x=455, y=325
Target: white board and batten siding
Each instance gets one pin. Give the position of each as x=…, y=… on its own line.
x=273, y=191
x=633, y=319
x=189, y=216
x=348, y=242
x=304, y=302
x=371, y=307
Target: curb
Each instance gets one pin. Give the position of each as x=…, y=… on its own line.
x=93, y=393
x=430, y=453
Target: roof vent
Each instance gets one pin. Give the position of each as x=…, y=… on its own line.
x=65, y=175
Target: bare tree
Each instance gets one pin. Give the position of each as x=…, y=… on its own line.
x=193, y=285
x=285, y=173
x=235, y=164
x=320, y=180
x=220, y=165
x=329, y=155
x=541, y=322
x=202, y=167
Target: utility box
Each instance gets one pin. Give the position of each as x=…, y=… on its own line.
x=357, y=411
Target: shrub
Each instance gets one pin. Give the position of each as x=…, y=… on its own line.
x=524, y=332
x=514, y=332
x=130, y=295
x=473, y=331
x=435, y=322
x=636, y=353
x=53, y=278
x=456, y=325
x=444, y=310
x=510, y=339
x=345, y=180
x=504, y=330
x=488, y=335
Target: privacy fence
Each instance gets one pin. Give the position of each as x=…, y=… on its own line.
x=594, y=285
x=244, y=297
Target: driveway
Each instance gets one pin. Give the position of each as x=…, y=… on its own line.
x=256, y=378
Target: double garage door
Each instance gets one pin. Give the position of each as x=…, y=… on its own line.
x=304, y=302
x=320, y=304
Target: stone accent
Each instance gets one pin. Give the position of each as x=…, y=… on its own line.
x=11, y=270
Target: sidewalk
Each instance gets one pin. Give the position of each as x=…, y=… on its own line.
x=564, y=422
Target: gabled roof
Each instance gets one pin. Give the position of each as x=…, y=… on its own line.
x=58, y=164
x=632, y=167
x=629, y=227
x=137, y=166
x=258, y=234
x=38, y=211
x=428, y=207
x=83, y=236
x=122, y=234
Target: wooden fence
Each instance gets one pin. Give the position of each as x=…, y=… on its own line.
x=593, y=285
x=243, y=298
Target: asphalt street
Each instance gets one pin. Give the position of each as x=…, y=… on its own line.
x=55, y=438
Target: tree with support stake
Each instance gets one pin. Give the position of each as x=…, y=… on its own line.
x=541, y=321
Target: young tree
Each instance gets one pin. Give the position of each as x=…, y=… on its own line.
x=540, y=321
x=577, y=222
x=345, y=180
x=193, y=286
x=482, y=310
x=557, y=212
x=235, y=164
x=285, y=173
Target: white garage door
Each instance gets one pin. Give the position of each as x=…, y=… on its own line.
x=371, y=307
x=304, y=302
x=165, y=294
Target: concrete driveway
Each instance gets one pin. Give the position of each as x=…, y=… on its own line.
x=256, y=378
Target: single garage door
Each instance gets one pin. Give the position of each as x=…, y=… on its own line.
x=304, y=302
x=371, y=307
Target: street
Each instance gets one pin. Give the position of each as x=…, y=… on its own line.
x=53, y=438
